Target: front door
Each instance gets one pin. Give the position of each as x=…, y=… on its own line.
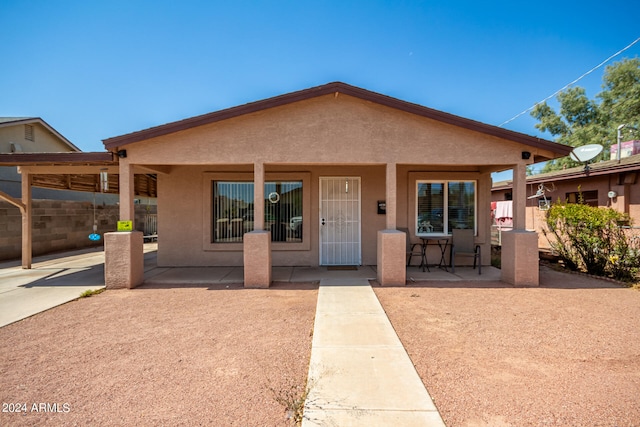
x=340, y=221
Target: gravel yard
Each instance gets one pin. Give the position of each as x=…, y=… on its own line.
x=564, y=354
x=174, y=356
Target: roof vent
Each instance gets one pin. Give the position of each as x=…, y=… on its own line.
x=28, y=132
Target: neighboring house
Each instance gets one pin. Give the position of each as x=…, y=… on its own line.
x=28, y=135
x=64, y=203
x=611, y=183
x=320, y=177
x=34, y=135
x=31, y=135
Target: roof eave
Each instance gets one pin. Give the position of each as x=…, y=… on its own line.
x=70, y=158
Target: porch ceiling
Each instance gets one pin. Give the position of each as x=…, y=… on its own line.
x=76, y=171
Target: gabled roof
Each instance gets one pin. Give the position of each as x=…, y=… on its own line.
x=12, y=121
x=335, y=88
x=631, y=163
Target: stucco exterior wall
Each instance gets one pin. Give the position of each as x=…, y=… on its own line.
x=333, y=135
x=183, y=218
x=327, y=130
x=43, y=141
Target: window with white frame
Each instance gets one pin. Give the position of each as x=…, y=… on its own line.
x=442, y=206
x=233, y=210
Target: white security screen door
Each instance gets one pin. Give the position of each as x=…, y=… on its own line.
x=340, y=221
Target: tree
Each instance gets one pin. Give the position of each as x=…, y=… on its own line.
x=584, y=121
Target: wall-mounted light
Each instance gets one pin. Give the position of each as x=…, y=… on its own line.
x=122, y=153
x=526, y=155
x=104, y=180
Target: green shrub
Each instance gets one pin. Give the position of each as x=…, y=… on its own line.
x=591, y=239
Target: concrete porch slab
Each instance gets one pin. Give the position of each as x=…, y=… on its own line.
x=193, y=276
x=306, y=274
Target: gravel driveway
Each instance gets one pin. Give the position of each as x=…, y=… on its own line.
x=564, y=354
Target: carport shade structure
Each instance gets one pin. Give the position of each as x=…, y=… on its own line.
x=78, y=171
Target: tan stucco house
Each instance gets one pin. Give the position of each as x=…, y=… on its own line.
x=31, y=135
x=322, y=176
x=28, y=135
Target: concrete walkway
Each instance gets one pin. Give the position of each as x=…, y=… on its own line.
x=53, y=280
x=24, y=293
x=359, y=373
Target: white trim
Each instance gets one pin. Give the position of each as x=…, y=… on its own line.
x=445, y=207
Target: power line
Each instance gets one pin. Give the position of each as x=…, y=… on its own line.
x=572, y=83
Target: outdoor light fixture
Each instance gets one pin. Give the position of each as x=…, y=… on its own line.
x=104, y=180
x=526, y=155
x=122, y=153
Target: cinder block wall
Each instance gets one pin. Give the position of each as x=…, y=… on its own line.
x=60, y=225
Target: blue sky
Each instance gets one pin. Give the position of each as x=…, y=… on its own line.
x=97, y=69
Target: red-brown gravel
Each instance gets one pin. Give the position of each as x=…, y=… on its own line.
x=564, y=354
x=172, y=356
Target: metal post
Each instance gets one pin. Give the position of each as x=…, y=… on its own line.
x=619, y=142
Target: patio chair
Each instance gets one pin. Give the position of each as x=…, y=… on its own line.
x=412, y=248
x=462, y=244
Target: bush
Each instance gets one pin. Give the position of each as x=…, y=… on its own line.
x=591, y=239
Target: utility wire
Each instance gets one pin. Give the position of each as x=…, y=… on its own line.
x=572, y=83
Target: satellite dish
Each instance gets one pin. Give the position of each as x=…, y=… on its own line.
x=586, y=152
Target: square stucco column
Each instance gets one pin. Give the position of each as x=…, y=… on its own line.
x=520, y=258
x=127, y=192
x=123, y=259
x=392, y=254
x=257, y=259
x=391, y=196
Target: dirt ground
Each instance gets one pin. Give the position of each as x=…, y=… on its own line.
x=173, y=356
x=564, y=354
